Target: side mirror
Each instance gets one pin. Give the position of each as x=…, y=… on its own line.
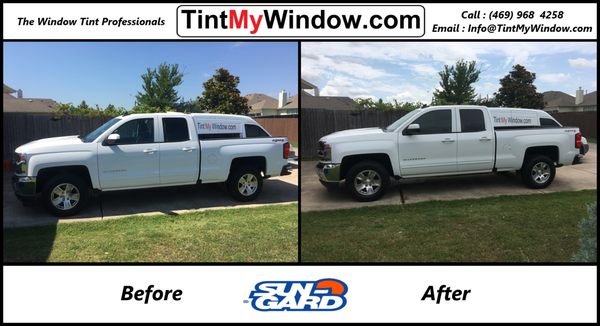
x=112, y=139
x=412, y=129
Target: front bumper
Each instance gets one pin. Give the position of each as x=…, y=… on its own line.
x=24, y=186
x=329, y=172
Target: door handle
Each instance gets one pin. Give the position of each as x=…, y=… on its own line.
x=188, y=149
x=149, y=150
x=448, y=140
x=484, y=139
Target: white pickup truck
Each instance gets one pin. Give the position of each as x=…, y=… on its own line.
x=448, y=140
x=149, y=150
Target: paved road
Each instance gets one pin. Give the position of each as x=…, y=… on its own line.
x=568, y=178
x=173, y=200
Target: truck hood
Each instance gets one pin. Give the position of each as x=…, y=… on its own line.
x=354, y=135
x=53, y=144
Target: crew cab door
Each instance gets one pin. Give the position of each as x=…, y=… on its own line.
x=431, y=149
x=132, y=161
x=179, y=152
x=475, y=141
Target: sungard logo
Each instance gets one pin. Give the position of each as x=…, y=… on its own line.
x=321, y=295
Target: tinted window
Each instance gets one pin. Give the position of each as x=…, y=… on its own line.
x=175, y=129
x=139, y=131
x=218, y=136
x=253, y=131
x=435, y=122
x=471, y=120
x=546, y=122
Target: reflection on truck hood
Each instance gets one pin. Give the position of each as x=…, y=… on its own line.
x=353, y=134
x=50, y=145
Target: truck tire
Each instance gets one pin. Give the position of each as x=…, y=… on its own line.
x=367, y=181
x=244, y=183
x=65, y=195
x=538, y=172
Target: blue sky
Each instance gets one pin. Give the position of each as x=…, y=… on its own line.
x=407, y=71
x=109, y=72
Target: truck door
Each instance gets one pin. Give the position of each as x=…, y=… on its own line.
x=475, y=141
x=179, y=152
x=132, y=161
x=432, y=148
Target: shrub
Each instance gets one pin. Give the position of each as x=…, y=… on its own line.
x=588, y=245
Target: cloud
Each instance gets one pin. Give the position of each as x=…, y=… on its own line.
x=348, y=67
x=582, y=63
x=553, y=78
x=424, y=69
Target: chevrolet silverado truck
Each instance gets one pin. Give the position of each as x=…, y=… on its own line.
x=149, y=150
x=448, y=140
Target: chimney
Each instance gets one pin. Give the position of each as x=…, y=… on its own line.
x=19, y=93
x=579, y=96
x=316, y=91
x=283, y=98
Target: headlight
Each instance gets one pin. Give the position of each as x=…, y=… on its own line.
x=324, y=151
x=21, y=163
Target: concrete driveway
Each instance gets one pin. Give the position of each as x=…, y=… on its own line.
x=568, y=178
x=172, y=200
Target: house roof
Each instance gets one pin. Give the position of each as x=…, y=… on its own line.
x=8, y=90
x=31, y=105
x=306, y=85
x=328, y=102
x=292, y=103
x=556, y=99
x=589, y=99
x=258, y=101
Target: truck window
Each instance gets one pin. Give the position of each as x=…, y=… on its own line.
x=546, y=122
x=175, y=130
x=138, y=131
x=254, y=131
x=471, y=120
x=435, y=122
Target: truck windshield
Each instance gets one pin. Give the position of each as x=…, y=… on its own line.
x=400, y=121
x=94, y=134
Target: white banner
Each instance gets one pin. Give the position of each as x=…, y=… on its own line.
x=322, y=293
x=292, y=21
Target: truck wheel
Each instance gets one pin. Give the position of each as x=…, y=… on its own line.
x=244, y=184
x=65, y=195
x=538, y=172
x=367, y=181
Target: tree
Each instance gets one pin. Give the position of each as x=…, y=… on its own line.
x=221, y=94
x=369, y=104
x=159, y=87
x=517, y=90
x=456, y=83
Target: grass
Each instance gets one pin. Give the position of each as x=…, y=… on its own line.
x=528, y=228
x=263, y=234
x=592, y=140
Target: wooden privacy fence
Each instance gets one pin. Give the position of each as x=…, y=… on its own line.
x=586, y=121
x=21, y=128
x=281, y=125
x=316, y=123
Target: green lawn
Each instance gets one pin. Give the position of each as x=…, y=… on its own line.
x=529, y=228
x=263, y=234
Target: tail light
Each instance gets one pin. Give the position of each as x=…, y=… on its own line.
x=286, y=151
x=578, y=142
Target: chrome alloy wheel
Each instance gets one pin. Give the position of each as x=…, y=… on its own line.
x=248, y=184
x=540, y=172
x=65, y=196
x=367, y=182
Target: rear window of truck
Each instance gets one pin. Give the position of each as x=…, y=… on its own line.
x=471, y=120
x=253, y=131
x=175, y=130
